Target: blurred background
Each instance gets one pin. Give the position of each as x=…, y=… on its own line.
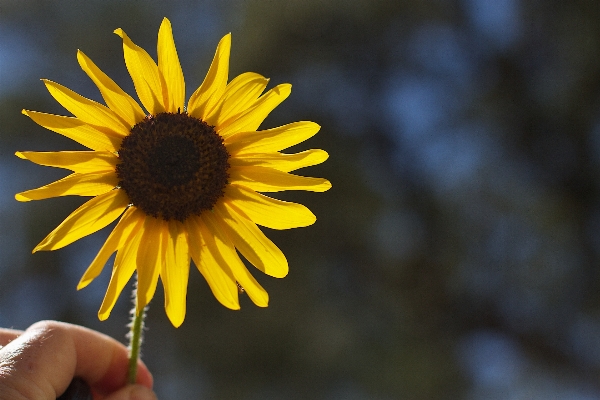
x=455, y=257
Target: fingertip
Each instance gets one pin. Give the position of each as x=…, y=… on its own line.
x=144, y=377
x=141, y=393
x=133, y=392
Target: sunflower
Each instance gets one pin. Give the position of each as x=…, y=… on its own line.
x=184, y=182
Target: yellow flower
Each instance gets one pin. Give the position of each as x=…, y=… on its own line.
x=184, y=181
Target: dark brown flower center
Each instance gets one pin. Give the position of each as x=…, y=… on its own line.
x=172, y=166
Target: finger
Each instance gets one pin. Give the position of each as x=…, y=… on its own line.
x=77, y=390
x=44, y=359
x=133, y=392
x=8, y=335
x=104, y=363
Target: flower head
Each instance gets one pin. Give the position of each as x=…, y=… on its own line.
x=184, y=181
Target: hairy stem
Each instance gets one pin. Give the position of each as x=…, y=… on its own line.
x=135, y=339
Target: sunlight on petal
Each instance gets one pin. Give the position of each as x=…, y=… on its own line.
x=88, y=111
x=251, y=242
x=217, y=274
x=264, y=179
x=175, y=271
x=211, y=89
x=77, y=161
x=225, y=250
x=77, y=130
x=145, y=75
x=269, y=212
x=150, y=258
x=129, y=224
x=251, y=119
x=73, y=185
x=170, y=68
x=92, y=216
x=123, y=269
x=239, y=95
x=280, y=161
x=116, y=99
x=271, y=140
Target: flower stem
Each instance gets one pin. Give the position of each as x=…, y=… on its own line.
x=137, y=324
x=135, y=338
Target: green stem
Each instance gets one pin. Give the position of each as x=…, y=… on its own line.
x=135, y=342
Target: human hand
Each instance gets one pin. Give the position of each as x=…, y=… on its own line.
x=40, y=362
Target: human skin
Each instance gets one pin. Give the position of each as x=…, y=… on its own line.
x=40, y=363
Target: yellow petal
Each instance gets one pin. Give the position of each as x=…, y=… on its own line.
x=88, y=111
x=239, y=95
x=251, y=242
x=129, y=224
x=269, y=212
x=115, y=97
x=280, y=161
x=271, y=140
x=217, y=274
x=224, y=249
x=264, y=179
x=150, y=257
x=73, y=185
x=207, y=95
x=251, y=119
x=77, y=130
x=124, y=266
x=170, y=68
x=77, y=161
x=144, y=74
x=174, y=273
x=92, y=216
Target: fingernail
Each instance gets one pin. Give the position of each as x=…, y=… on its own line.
x=141, y=393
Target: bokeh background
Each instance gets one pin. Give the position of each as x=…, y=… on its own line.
x=455, y=257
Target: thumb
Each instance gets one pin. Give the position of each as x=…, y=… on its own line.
x=132, y=392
